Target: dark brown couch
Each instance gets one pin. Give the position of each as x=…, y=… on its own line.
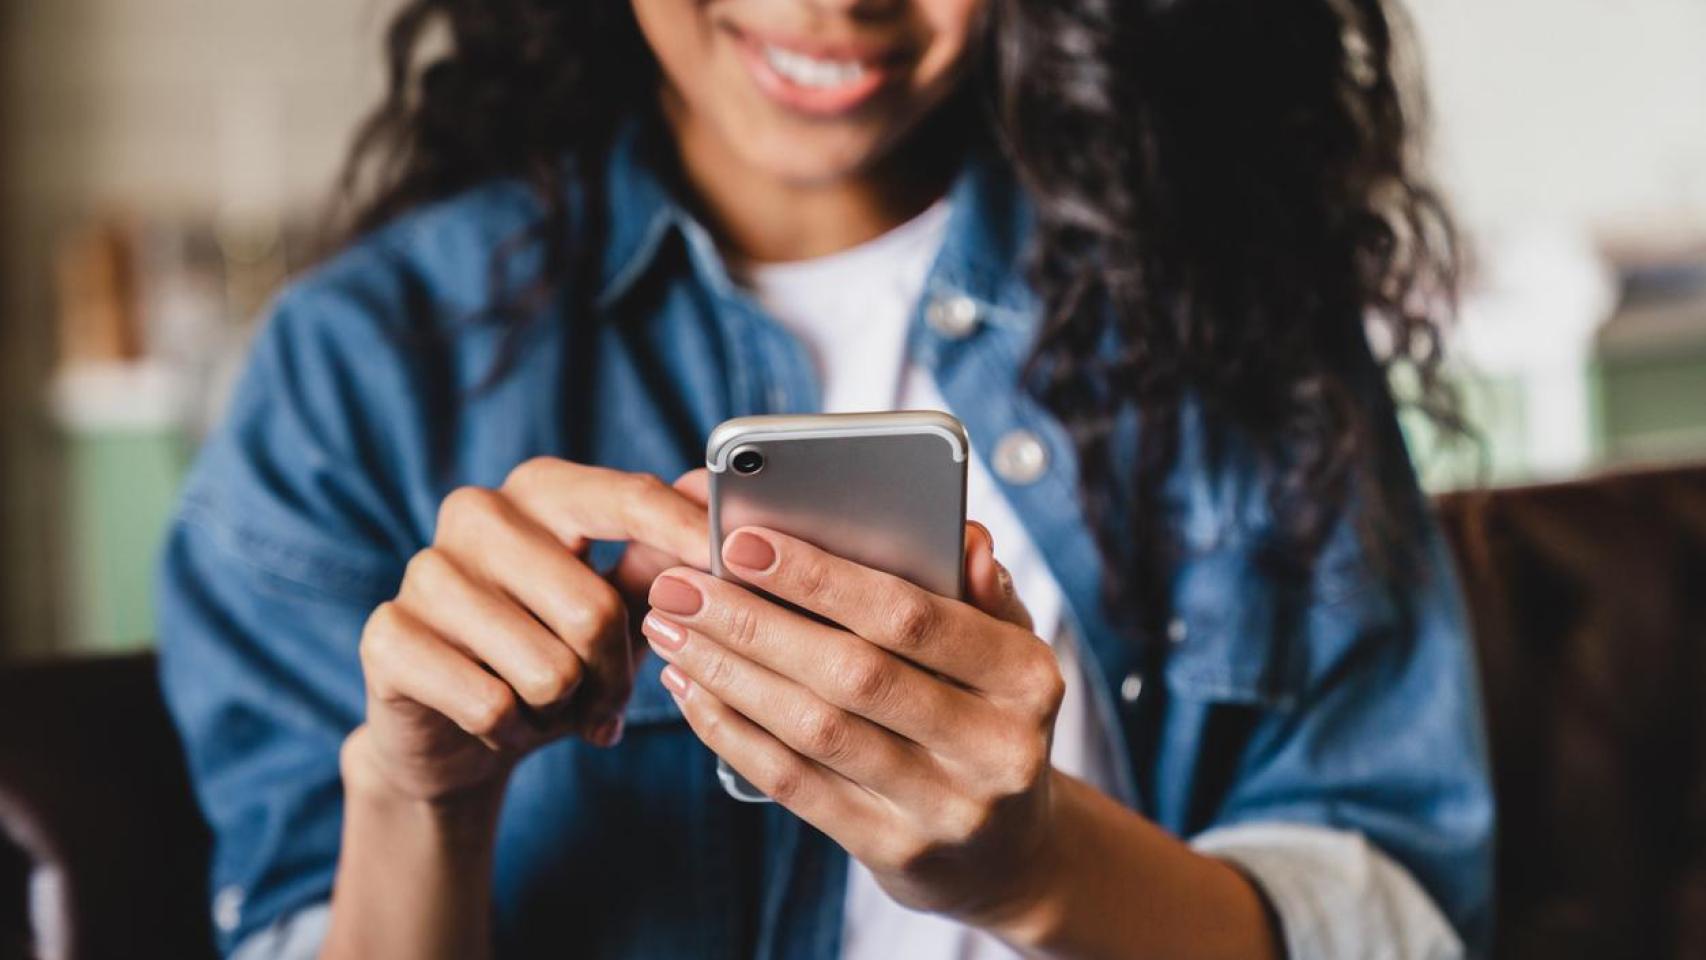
x=1589, y=602
x=1589, y=605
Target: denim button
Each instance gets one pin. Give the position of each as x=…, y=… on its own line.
x=952, y=317
x=1020, y=457
x=1176, y=630
x=1131, y=687
x=228, y=908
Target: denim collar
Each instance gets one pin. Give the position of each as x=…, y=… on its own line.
x=981, y=257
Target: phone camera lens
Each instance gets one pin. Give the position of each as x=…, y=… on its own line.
x=748, y=462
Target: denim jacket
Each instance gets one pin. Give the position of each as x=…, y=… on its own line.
x=1348, y=701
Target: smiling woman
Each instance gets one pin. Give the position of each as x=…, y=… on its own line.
x=1214, y=699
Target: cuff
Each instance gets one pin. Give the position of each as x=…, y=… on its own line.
x=297, y=936
x=1336, y=895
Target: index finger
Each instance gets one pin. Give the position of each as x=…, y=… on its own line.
x=951, y=638
x=580, y=503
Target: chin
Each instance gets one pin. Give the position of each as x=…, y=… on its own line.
x=810, y=158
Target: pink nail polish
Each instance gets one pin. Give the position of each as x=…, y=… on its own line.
x=677, y=596
x=749, y=551
x=665, y=634
x=674, y=681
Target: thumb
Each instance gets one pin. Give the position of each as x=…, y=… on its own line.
x=989, y=587
x=640, y=564
x=695, y=485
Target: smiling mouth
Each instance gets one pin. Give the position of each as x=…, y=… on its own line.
x=817, y=79
x=807, y=71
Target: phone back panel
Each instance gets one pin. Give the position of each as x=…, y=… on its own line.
x=887, y=490
x=884, y=490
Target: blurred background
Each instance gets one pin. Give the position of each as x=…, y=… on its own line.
x=163, y=164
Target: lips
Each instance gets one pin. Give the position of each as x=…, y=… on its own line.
x=824, y=80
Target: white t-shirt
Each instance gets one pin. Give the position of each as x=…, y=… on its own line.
x=852, y=309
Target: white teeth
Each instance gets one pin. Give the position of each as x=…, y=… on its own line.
x=810, y=71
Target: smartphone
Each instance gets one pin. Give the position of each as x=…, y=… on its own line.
x=886, y=490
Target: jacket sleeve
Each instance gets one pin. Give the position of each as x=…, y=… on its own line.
x=1349, y=705
x=286, y=537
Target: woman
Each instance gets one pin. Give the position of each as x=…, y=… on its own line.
x=440, y=641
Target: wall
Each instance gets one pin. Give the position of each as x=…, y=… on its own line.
x=160, y=107
x=1587, y=113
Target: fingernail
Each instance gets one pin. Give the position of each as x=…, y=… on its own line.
x=677, y=596
x=674, y=681
x=749, y=551
x=608, y=733
x=663, y=633
x=988, y=537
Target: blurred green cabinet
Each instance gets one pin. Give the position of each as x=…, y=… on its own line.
x=123, y=484
x=126, y=453
x=1650, y=382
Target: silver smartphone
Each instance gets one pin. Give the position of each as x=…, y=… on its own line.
x=886, y=490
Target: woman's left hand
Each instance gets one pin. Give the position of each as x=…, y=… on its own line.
x=915, y=734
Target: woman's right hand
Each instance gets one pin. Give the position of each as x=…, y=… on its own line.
x=502, y=638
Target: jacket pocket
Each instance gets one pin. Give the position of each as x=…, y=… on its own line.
x=1230, y=639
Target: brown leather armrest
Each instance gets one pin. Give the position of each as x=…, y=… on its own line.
x=95, y=782
x=1589, y=606
x=15, y=937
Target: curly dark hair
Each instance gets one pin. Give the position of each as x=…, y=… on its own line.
x=1227, y=201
